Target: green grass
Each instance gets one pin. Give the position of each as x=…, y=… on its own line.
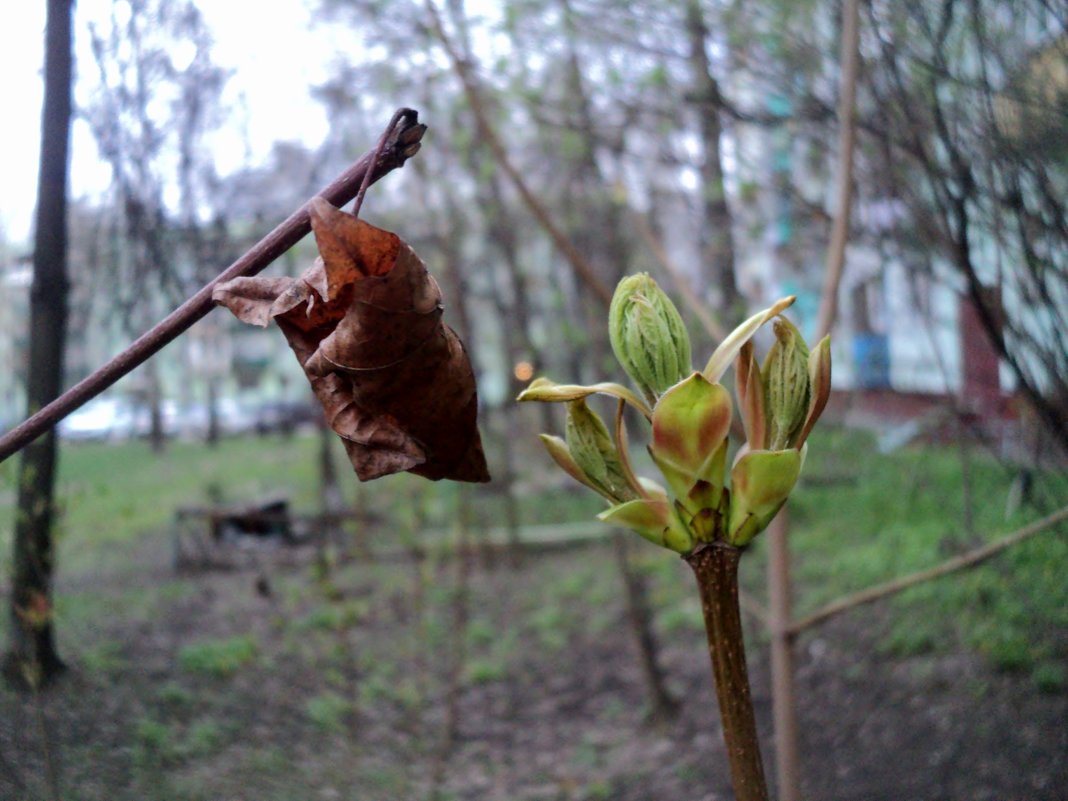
x=113, y=494
x=905, y=512
x=219, y=658
x=885, y=516
x=328, y=711
x=336, y=617
x=157, y=743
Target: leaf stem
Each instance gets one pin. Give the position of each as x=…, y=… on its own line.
x=372, y=166
x=716, y=567
x=381, y=146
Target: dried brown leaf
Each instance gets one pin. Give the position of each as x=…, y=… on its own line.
x=365, y=322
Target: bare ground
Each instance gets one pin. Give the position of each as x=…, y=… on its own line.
x=344, y=695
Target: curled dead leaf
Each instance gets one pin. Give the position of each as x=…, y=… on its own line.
x=365, y=322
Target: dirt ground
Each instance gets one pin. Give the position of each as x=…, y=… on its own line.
x=341, y=691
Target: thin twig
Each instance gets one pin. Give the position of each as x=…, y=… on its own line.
x=780, y=601
x=965, y=560
x=404, y=144
x=847, y=134
x=396, y=118
x=682, y=284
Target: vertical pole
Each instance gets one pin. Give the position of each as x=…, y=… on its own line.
x=784, y=706
x=783, y=698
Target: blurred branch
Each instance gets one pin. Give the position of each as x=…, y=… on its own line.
x=579, y=263
x=847, y=134
x=400, y=145
x=965, y=560
x=708, y=322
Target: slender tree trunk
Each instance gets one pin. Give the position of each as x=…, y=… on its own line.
x=640, y=614
x=847, y=134
x=717, y=239
x=331, y=501
x=464, y=70
x=515, y=339
x=211, y=436
x=32, y=659
x=157, y=435
x=784, y=690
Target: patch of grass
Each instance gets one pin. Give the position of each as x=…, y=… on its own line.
x=219, y=658
x=587, y=753
x=158, y=743
x=155, y=743
x=1011, y=652
x=575, y=585
x=385, y=680
x=551, y=626
x=105, y=657
x=684, y=616
x=174, y=695
x=597, y=791
x=115, y=493
x=486, y=670
x=336, y=616
x=481, y=632
x=1050, y=677
x=202, y=739
x=919, y=638
x=894, y=514
x=389, y=782
x=328, y=711
x=269, y=761
x=384, y=685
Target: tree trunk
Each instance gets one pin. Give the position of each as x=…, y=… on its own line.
x=157, y=434
x=717, y=239
x=212, y=435
x=32, y=659
x=331, y=500
x=664, y=706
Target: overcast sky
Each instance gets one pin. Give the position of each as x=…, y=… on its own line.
x=273, y=90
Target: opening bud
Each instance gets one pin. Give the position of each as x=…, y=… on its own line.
x=648, y=335
x=595, y=453
x=786, y=386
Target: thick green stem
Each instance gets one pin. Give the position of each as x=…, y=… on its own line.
x=716, y=569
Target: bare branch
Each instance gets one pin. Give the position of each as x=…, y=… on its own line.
x=850, y=59
x=403, y=144
x=579, y=263
x=966, y=560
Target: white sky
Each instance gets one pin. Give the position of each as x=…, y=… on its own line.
x=275, y=54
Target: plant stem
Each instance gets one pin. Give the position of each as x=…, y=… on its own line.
x=401, y=145
x=716, y=569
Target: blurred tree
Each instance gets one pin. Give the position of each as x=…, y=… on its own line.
x=716, y=234
x=157, y=94
x=968, y=101
x=32, y=659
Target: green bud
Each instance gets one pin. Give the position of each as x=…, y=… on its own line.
x=690, y=427
x=761, y=481
x=595, y=453
x=648, y=335
x=786, y=385
x=656, y=519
